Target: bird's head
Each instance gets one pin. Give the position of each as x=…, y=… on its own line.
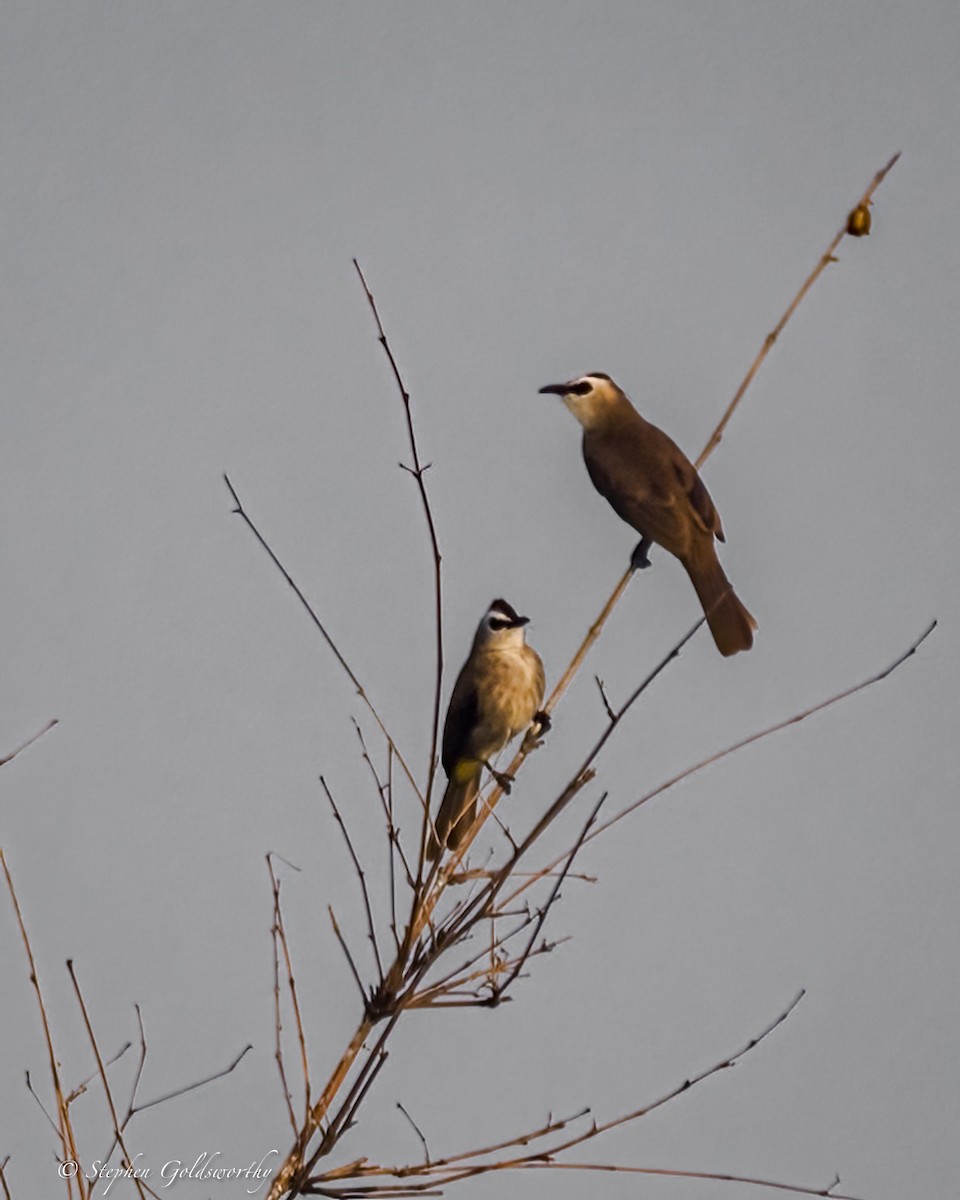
x=590, y=397
x=502, y=626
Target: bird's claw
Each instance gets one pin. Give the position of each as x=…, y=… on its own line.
x=639, y=559
x=503, y=778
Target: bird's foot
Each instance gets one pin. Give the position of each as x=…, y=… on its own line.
x=540, y=725
x=639, y=558
x=504, y=780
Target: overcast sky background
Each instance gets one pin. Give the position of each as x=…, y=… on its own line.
x=534, y=191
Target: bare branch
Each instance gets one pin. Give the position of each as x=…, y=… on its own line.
x=418, y=473
x=118, y=1132
x=371, y=931
x=280, y=944
x=29, y=742
x=554, y=894
x=603, y=696
x=716, y=1176
x=64, y=1128
x=417, y=1131
x=826, y=258
x=466, y=1165
x=311, y=612
x=795, y=719
x=385, y=794
x=81, y=1088
x=192, y=1087
x=597, y=627
x=763, y=733
x=353, y=966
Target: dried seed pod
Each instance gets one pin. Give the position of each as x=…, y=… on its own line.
x=858, y=223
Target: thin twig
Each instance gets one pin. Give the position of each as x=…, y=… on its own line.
x=384, y=792
x=29, y=742
x=417, y=1131
x=717, y=1176
x=603, y=696
x=795, y=719
x=346, y=950
x=582, y=776
x=240, y=511
x=371, y=930
x=118, y=1132
x=551, y=900
x=64, y=1127
x=770, y=729
x=826, y=258
x=712, y=442
x=278, y=1025
x=280, y=943
x=83, y=1085
x=345, y=1119
x=465, y=1165
x=192, y=1087
x=418, y=472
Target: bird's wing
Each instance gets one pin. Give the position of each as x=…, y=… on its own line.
x=701, y=502
x=461, y=720
x=540, y=679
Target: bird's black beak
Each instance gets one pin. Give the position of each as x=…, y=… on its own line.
x=554, y=389
x=519, y=622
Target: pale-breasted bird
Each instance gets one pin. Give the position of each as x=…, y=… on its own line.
x=653, y=486
x=497, y=695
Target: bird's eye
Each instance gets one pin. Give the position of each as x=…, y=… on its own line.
x=497, y=623
x=581, y=388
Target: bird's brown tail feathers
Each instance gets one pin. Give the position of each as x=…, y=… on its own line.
x=730, y=623
x=457, y=811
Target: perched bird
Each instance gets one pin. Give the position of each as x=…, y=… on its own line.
x=653, y=486
x=497, y=695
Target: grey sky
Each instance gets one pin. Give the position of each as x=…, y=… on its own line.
x=533, y=191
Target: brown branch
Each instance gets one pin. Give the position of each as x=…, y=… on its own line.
x=418, y=472
x=371, y=931
x=141, y=1187
x=192, y=1087
x=713, y=441
x=344, y=1120
x=484, y=901
x=417, y=1131
x=83, y=1085
x=240, y=511
x=280, y=943
x=826, y=258
x=64, y=1127
x=464, y=1166
x=551, y=900
x=385, y=793
x=278, y=1027
x=29, y=742
x=3, y=1178
x=795, y=719
x=353, y=966
x=716, y=1176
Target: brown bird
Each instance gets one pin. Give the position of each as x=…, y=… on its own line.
x=653, y=486
x=497, y=695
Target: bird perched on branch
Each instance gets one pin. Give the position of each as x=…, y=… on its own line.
x=653, y=486
x=497, y=695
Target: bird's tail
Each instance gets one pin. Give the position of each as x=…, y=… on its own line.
x=730, y=623
x=457, y=811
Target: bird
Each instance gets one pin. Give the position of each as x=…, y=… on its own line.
x=497, y=695
x=652, y=485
